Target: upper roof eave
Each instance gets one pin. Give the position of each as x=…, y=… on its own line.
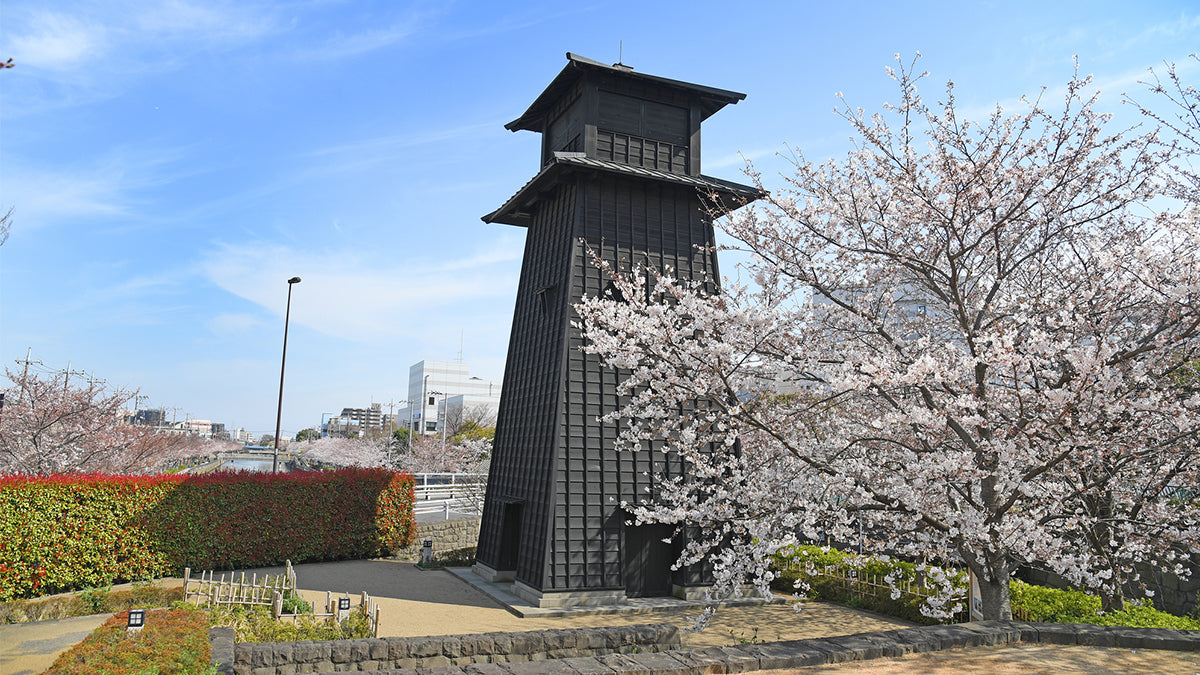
x=715, y=98
x=511, y=212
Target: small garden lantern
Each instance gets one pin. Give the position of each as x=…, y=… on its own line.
x=137, y=619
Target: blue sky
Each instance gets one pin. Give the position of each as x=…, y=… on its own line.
x=172, y=164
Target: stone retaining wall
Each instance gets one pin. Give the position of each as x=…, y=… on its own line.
x=796, y=653
x=824, y=651
x=447, y=535
x=286, y=658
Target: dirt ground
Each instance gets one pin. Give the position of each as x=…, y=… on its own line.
x=1023, y=659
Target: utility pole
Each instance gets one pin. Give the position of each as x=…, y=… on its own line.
x=137, y=398
x=25, y=372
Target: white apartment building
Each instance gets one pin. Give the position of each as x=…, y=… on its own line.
x=434, y=386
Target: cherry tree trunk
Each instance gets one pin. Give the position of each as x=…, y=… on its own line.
x=993, y=589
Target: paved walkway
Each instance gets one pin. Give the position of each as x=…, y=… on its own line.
x=30, y=648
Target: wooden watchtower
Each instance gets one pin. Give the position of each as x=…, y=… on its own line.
x=619, y=174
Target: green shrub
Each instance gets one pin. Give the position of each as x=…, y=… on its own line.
x=258, y=625
x=76, y=604
x=1056, y=605
x=1030, y=603
x=293, y=603
x=792, y=563
x=61, y=533
x=173, y=642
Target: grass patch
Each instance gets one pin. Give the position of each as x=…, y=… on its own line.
x=173, y=642
x=88, y=601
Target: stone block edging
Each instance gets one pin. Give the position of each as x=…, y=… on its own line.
x=839, y=649
x=381, y=654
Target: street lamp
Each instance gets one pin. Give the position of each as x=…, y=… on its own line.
x=443, y=414
x=425, y=406
x=279, y=412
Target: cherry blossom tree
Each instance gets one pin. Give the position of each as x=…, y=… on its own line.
x=429, y=454
x=426, y=454
x=56, y=423
x=960, y=340
x=363, y=452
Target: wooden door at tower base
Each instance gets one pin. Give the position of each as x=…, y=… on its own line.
x=648, y=560
x=510, y=535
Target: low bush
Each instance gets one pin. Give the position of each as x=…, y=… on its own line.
x=1038, y=603
x=258, y=625
x=173, y=642
x=792, y=564
x=1029, y=603
x=88, y=601
x=66, y=532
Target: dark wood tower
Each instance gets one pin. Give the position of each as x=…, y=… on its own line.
x=620, y=175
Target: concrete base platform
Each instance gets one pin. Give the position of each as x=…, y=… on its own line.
x=508, y=594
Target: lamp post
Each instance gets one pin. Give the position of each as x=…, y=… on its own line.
x=443, y=414
x=425, y=406
x=279, y=411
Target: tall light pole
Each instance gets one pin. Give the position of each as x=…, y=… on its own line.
x=279, y=411
x=425, y=406
x=443, y=414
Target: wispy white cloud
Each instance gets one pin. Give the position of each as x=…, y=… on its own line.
x=1181, y=26
x=90, y=51
x=350, y=295
x=346, y=45
x=211, y=22
x=42, y=197
x=234, y=324
x=56, y=41
x=383, y=148
x=106, y=187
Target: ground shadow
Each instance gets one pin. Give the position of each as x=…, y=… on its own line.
x=385, y=579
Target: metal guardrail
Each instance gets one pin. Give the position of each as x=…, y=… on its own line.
x=449, y=492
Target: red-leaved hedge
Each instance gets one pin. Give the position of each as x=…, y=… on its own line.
x=64, y=532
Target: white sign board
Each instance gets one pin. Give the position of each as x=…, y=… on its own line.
x=974, y=600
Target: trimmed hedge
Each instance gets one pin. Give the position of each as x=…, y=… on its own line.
x=65, y=532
